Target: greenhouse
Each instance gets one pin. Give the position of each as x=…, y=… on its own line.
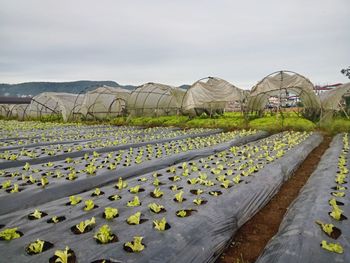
x=211, y=95
x=51, y=103
x=154, y=99
x=282, y=86
x=336, y=100
x=103, y=102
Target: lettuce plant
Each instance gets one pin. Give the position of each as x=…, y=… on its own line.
x=72, y=176
x=179, y=197
x=134, y=189
x=84, y=224
x=134, y=219
x=332, y=247
x=44, y=181
x=9, y=234
x=90, y=169
x=157, y=192
x=143, y=179
x=160, y=224
x=6, y=184
x=237, y=179
x=327, y=228
x=97, y=192
x=36, y=214
x=135, y=245
x=89, y=204
x=198, y=201
x=104, y=234
x=134, y=202
x=62, y=255
x=120, y=185
x=26, y=167
x=74, y=200
x=114, y=197
x=155, y=207
x=15, y=189
x=36, y=247
x=181, y=213
x=110, y=213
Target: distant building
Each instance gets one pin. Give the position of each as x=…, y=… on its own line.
x=321, y=89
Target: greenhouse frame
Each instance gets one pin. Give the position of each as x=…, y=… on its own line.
x=279, y=84
x=211, y=95
x=154, y=99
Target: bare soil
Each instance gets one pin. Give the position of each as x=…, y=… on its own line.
x=250, y=240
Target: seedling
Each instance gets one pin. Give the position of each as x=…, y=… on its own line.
x=74, y=200
x=135, y=245
x=156, y=208
x=161, y=225
x=89, y=205
x=10, y=233
x=110, y=213
x=85, y=226
x=134, y=202
x=105, y=235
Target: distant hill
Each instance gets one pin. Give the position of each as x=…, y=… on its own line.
x=34, y=88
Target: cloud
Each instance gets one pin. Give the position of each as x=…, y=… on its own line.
x=172, y=42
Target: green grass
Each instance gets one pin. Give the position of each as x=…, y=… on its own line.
x=229, y=121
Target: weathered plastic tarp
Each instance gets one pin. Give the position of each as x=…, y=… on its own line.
x=299, y=237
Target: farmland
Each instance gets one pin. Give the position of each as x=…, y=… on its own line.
x=103, y=193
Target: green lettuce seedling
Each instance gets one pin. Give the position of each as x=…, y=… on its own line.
x=9, y=234
x=62, y=255
x=134, y=219
x=115, y=197
x=104, y=234
x=6, y=184
x=90, y=169
x=89, y=204
x=327, y=228
x=332, y=247
x=15, y=189
x=26, y=167
x=157, y=192
x=37, y=214
x=110, y=213
x=134, y=202
x=181, y=213
x=179, y=196
x=74, y=200
x=198, y=201
x=155, y=207
x=97, y=191
x=134, y=189
x=160, y=224
x=83, y=224
x=120, y=185
x=36, y=247
x=136, y=245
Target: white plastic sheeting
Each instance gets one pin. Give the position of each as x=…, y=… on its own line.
x=332, y=100
x=282, y=84
x=104, y=101
x=209, y=95
x=154, y=99
x=49, y=103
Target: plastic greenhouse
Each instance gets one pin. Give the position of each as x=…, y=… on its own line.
x=283, y=85
x=49, y=103
x=154, y=99
x=102, y=102
x=336, y=100
x=211, y=95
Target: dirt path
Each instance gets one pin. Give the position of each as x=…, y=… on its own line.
x=253, y=236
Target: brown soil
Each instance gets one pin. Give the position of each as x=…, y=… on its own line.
x=252, y=237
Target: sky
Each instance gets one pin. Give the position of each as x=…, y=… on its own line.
x=173, y=41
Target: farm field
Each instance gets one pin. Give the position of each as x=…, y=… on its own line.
x=101, y=193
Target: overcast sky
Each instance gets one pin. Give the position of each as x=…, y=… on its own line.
x=173, y=41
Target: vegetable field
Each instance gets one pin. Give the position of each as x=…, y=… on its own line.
x=75, y=193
